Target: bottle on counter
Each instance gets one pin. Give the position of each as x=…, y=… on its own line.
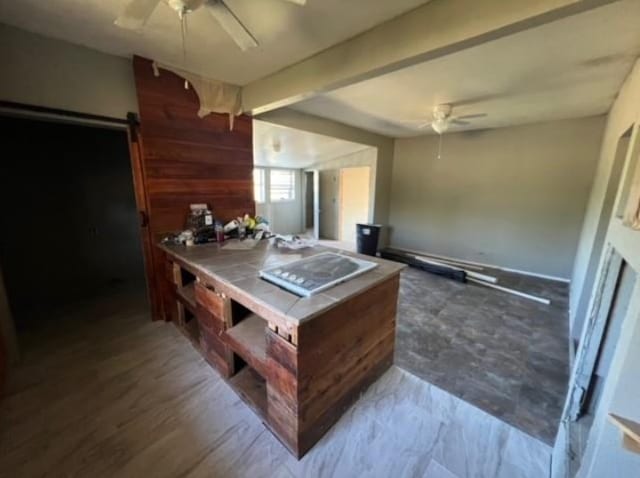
x=219, y=230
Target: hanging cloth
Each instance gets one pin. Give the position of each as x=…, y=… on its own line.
x=214, y=96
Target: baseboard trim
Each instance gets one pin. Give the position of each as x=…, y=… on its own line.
x=483, y=264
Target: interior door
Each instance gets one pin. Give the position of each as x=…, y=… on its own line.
x=354, y=200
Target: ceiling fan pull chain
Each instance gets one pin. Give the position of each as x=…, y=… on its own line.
x=440, y=146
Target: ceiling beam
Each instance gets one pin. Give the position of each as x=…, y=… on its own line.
x=438, y=28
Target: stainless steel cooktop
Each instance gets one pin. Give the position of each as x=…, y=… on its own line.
x=314, y=274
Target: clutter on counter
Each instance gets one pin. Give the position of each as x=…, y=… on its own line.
x=292, y=242
x=202, y=227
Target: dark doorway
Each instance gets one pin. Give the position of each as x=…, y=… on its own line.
x=308, y=201
x=69, y=226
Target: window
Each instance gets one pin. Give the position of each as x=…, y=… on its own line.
x=258, y=185
x=282, y=185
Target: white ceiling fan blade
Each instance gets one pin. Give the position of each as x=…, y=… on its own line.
x=297, y=2
x=464, y=117
x=417, y=123
x=136, y=14
x=231, y=24
x=459, y=122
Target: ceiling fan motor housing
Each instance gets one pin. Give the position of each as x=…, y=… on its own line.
x=440, y=125
x=441, y=114
x=185, y=6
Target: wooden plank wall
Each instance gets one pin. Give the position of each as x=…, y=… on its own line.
x=311, y=386
x=187, y=159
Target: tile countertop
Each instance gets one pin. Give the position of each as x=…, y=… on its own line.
x=237, y=273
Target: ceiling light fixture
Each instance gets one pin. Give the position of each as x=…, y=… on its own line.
x=440, y=125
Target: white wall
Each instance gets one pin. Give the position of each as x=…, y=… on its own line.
x=621, y=393
x=512, y=197
x=46, y=72
x=285, y=217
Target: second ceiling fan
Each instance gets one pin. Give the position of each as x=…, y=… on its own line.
x=137, y=12
x=442, y=118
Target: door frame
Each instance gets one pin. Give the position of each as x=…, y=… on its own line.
x=593, y=333
x=129, y=125
x=315, y=181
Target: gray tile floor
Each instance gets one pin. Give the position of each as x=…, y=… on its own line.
x=104, y=392
x=504, y=354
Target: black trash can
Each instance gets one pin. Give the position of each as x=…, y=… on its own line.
x=367, y=238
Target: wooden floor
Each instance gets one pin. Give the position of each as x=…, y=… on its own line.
x=102, y=391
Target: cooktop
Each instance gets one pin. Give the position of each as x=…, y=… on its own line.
x=314, y=274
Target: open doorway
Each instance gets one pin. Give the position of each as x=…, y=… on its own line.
x=614, y=293
x=69, y=221
x=603, y=225
x=331, y=183
x=312, y=203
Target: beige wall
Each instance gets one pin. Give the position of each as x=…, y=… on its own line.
x=512, y=197
x=46, y=72
x=621, y=389
x=384, y=145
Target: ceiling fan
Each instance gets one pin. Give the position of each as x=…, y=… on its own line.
x=137, y=12
x=442, y=119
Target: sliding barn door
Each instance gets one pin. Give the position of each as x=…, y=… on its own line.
x=185, y=159
x=135, y=153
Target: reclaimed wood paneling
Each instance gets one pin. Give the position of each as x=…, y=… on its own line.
x=186, y=159
x=339, y=354
x=302, y=379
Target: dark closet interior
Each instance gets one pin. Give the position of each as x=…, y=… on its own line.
x=69, y=226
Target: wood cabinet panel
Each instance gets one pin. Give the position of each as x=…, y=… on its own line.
x=341, y=353
x=213, y=303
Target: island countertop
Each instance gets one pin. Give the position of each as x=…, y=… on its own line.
x=298, y=362
x=236, y=272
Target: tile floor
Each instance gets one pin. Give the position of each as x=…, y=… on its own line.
x=90, y=400
x=504, y=354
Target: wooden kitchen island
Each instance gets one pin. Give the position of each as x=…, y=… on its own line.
x=299, y=363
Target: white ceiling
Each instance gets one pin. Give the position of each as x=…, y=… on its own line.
x=298, y=149
x=569, y=68
x=287, y=33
